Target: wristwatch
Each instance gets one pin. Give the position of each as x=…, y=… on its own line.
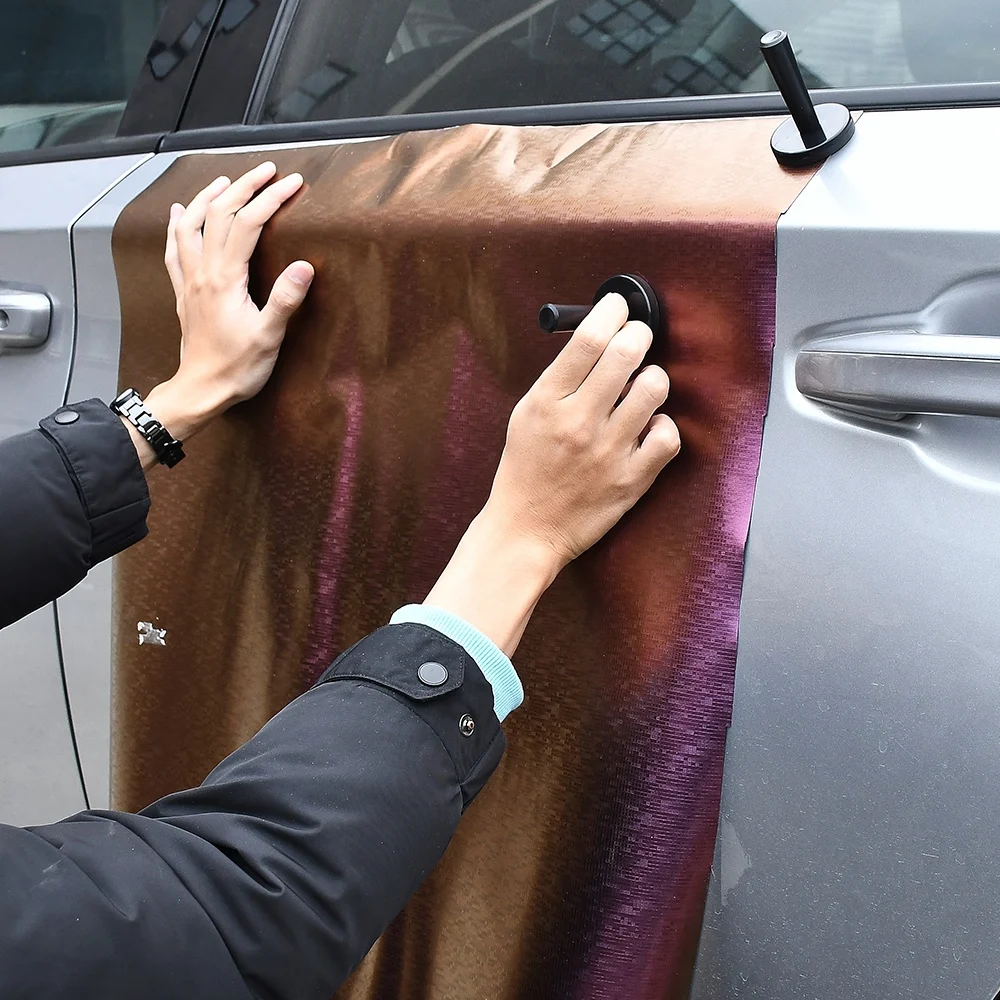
x=167, y=448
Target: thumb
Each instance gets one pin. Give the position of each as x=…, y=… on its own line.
x=288, y=292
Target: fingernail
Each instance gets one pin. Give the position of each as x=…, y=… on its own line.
x=297, y=178
x=176, y=210
x=222, y=181
x=301, y=273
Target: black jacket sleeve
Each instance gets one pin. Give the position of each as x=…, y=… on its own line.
x=274, y=877
x=71, y=494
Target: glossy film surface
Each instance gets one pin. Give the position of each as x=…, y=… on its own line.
x=305, y=518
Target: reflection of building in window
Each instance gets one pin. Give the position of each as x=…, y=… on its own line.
x=622, y=30
x=235, y=12
x=721, y=60
x=320, y=84
x=697, y=75
x=164, y=58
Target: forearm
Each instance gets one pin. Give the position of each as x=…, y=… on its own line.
x=494, y=580
x=71, y=495
x=285, y=864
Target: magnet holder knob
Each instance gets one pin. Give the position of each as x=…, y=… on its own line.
x=813, y=132
x=643, y=306
x=553, y=318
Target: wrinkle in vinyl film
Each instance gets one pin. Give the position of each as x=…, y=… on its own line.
x=309, y=515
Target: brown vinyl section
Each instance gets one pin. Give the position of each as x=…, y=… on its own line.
x=304, y=518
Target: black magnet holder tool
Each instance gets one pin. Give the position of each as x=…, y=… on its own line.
x=813, y=132
x=643, y=306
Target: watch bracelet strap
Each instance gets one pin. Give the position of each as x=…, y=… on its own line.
x=129, y=404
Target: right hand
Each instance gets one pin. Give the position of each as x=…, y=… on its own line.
x=582, y=446
x=579, y=453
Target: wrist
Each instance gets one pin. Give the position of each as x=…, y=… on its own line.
x=531, y=561
x=495, y=579
x=184, y=407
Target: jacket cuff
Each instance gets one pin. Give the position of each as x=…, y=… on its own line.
x=441, y=684
x=105, y=468
x=493, y=662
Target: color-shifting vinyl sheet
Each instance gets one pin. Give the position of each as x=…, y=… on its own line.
x=304, y=518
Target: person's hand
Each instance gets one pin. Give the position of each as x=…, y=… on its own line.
x=583, y=446
x=576, y=458
x=229, y=346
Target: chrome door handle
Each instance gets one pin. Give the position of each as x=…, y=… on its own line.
x=25, y=318
x=895, y=372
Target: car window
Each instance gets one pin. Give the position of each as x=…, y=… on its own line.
x=67, y=66
x=355, y=58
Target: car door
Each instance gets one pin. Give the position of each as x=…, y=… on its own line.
x=305, y=518
x=68, y=71
x=858, y=851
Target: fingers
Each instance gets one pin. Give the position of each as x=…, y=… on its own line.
x=188, y=226
x=577, y=359
x=223, y=209
x=660, y=445
x=171, y=257
x=250, y=219
x=622, y=356
x=231, y=222
x=288, y=292
x=643, y=398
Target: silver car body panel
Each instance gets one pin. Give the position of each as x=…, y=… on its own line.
x=858, y=854
x=39, y=780
x=39, y=203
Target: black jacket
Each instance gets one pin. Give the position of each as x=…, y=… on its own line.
x=276, y=875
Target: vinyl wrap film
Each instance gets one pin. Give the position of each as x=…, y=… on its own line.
x=304, y=518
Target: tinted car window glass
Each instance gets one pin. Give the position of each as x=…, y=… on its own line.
x=67, y=66
x=354, y=58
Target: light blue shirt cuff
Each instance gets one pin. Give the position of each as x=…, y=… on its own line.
x=492, y=661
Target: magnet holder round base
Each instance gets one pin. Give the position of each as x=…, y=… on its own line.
x=812, y=133
x=790, y=151
x=643, y=305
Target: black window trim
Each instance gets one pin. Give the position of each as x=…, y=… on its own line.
x=269, y=60
x=232, y=63
x=657, y=109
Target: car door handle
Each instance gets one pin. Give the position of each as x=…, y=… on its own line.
x=25, y=318
x=895, y=372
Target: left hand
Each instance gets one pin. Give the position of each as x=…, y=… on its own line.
x=228, y=345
